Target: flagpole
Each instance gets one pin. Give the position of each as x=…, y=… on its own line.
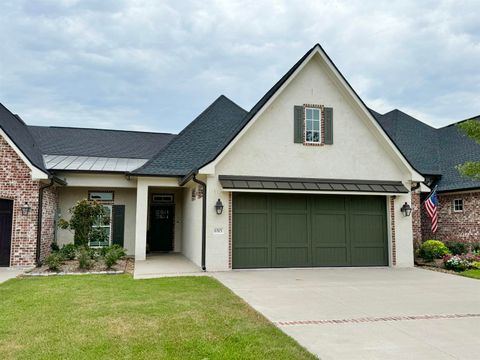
x=429, y=195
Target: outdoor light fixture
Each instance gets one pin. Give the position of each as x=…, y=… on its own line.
x=406, y=209
x=219, y=207
x=25, y=209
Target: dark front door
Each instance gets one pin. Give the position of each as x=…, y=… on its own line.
x=6, y=210
x=161, y=227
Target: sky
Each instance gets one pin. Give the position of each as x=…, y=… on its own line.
x=155, y=65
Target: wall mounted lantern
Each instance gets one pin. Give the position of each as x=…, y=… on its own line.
x=406, y=209
x=219, y=207
x=25, y=209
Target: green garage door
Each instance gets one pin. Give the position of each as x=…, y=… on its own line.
x=283, y=230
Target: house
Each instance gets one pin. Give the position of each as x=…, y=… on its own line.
x=308, y=177
x=435, y=153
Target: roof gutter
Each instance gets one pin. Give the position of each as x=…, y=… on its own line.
x=193, y=176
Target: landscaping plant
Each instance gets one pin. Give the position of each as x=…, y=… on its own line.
x=456, y=247
x=68, y=251
x=84, y=215
x=432, y=249
x=456, y=263
x=54, y=261
x=113, y=254
x=84, y=258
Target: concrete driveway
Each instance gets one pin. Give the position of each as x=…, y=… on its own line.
x=368, y=313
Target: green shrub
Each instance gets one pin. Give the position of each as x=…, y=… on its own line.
x=84, y=258
x=432, y=249
x=113, y=254
x=475, y=246
x=69, y=251
x=457, y=248
x=54, y=247
x=54, y=261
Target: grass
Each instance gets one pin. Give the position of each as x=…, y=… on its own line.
x=116, y=317
x=474, y=274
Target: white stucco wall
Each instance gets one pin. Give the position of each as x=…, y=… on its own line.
x=192, y=226
x=267, y=149
x=68, y=196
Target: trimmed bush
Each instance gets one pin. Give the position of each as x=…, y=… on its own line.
x=84, y=258
x=113, y=254
x=68, y=251
x=432, y=249
x=54, y=261
x=457, y=248
x=475, y=247
x=54, y=247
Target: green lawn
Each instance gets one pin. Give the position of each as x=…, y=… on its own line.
x=116, y=317
x=475, y=274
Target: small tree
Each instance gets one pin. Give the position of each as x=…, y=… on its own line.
x=471, y=168
x=85, y=214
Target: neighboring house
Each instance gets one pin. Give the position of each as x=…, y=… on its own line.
x=307, y=177
x=435, y=153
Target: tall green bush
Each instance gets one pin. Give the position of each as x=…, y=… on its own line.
x=84, y=215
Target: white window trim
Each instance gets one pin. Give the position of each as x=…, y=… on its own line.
x=105, y=226
x=319, y=125
x=454, y=208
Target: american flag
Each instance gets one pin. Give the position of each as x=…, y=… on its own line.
x=431, y=205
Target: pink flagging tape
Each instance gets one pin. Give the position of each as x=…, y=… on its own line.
x=375, y=319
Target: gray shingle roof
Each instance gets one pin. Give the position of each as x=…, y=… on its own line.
x=433, y=151
x=97, y=142
x=18, y=132
x=201, y=140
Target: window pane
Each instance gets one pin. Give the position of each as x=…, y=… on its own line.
x=316, y=137
x=309, y=125
x=316, y=125
x=316, y=114
x=309, y=114
x=100, y=196
x=308, y=136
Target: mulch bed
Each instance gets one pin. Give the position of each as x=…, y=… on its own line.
x=70, y=267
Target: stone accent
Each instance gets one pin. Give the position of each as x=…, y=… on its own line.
x=416, y=219
x=16, y=184
x=455, y=226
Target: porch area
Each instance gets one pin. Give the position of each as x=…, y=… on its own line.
x=164, y=265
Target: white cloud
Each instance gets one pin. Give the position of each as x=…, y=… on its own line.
x=156, y=65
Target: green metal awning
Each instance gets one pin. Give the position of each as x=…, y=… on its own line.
x=233, y=182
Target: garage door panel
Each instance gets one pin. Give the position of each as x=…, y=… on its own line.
x=254, y=257
x=329, y=203
x=369, y=256
x=250, y=202
x=289, y=203
x=368, y=230
x=330, y=256
x=367, y=204
x=329, y=240
x=290, y=257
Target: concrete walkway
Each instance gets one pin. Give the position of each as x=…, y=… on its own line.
x=368, y=313
x=163, y=265
x=7, y=273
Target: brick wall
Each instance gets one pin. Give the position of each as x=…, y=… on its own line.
x=16, y=184
x=416, y=219
x=455, y=226
x=50, y=204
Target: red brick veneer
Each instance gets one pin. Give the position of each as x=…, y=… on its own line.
x=16, y=184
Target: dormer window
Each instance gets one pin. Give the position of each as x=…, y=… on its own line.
x=312, y=125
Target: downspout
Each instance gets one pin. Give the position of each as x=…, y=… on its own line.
x=40, y=218
x=204, y=218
